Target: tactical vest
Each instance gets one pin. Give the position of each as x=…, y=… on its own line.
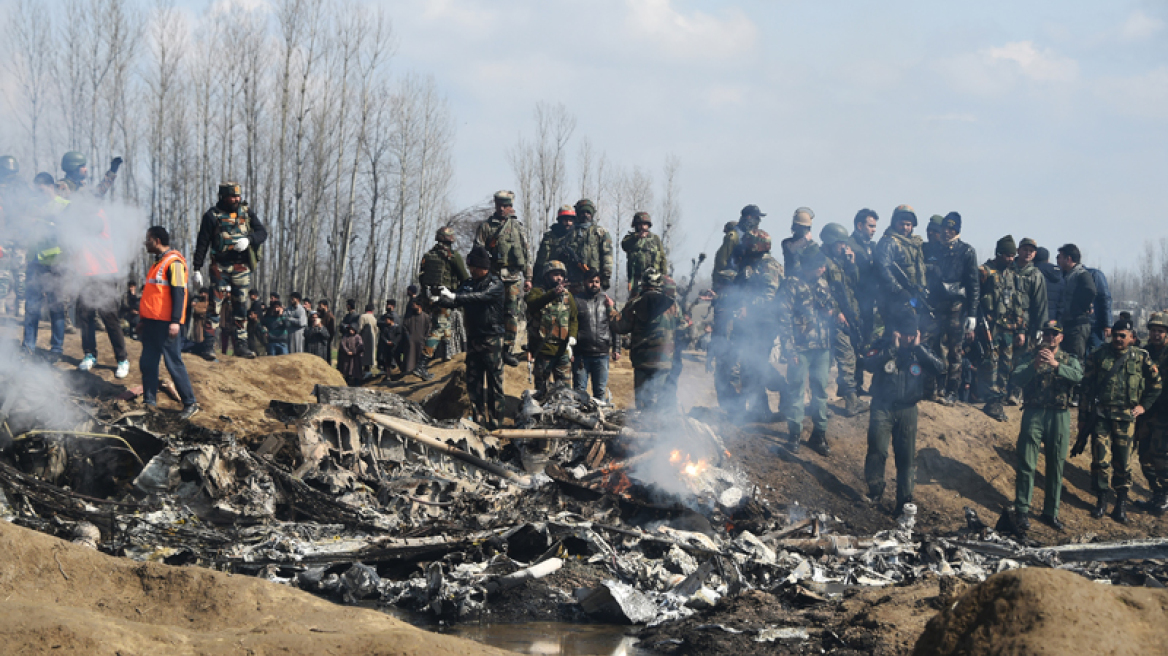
x=912, y=260
x=1125, y=388
x=554, y=321
x=1000, y=298
x=642, y=253
x=437, y=268
x=1048, y=389
x=230, y=227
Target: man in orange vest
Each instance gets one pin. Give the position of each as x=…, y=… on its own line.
x=163, y=311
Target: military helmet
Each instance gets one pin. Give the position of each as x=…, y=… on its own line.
x=641, y=217
x=444, y=235
x=554, y=265
x=904, y=212
x=1158, y=319
x=72, y=161
x=8, y=166
x=802, y=217
x=756, y=242
x=230, y=189
x=833, y=233
x=652, y=278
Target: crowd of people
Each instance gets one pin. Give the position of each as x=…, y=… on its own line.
x=923, y=317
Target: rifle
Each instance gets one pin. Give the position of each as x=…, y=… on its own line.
x=920, y=295
x=571, y=258
x=695, y=264
x=1086, y=429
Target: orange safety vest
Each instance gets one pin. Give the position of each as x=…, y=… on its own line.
x=157, y=302
x=97, y=258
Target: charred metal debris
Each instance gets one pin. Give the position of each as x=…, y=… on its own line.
x=366, y=497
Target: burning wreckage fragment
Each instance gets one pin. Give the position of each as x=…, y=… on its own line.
x=366, y=497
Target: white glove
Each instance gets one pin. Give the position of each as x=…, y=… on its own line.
x=970, y=324
x=446, y=293
x=571, y=342
x=241, y=245
x=434, y=300
x=197, y=278
x=569, y=349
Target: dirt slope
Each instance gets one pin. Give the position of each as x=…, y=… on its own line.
x=68, y=598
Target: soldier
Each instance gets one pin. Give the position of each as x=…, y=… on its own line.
x=483, y=297
x=77, y=175
x=13, y=256
x=234, y=235
x=864, y=248
x=1032, y=293
x=726, y=375
x=800, y=239
x=503, y=238
x=441, y=267
x=1119, y=384
x=900, y=266
x=807, y=314
x=844, y=279
x=1152, y=428
x=651, y=319
x=726, y=259
x=899, y=364
x=42, y=274
x=644, y=251
x=552, y=326
x=753, y=337
x=954, y=287
x=1047, y=376
x=555, y=240
x=1003, y=325
x=1075, y=305
x=589, y=248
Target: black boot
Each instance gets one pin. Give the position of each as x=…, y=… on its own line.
x=509, y=358
x=1119, y=513
x=422, y=371
x=853, y=405
x=818, y=442
x=242, y=350
x=1100, y=506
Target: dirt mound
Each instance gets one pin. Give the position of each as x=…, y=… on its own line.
x=77, y=600
x=1043, y=611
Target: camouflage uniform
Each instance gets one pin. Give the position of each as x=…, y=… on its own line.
x=900, y=269
x=1000, y=309
x=642, y=254
x=14, y=256
x=454, y=272
x=954, y=286
x=68, y=186
x=726, y=379
x=552, y=320
x=843, y=279
x=551, y=246
x=230, y=269
x=1046, y=425
x=1114, y=383
x=1152, y=435
x=806, y=317
x=651, y=319
x=504, y=239
x=793, y=250
x=864, y=250
x=1032, y=293
x=592, y=248
x=758, y=281
x=483, y=311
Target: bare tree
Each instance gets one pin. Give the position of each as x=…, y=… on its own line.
x=669, y=214
x=554, y=126
x=30, y=59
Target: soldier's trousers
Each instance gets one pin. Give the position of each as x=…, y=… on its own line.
x=232, y=280
x=1111, y=447
x=844, y=353
x=814, y=368
x=42, y=286
x=652, y=390
x=512, y=310
x=948, y=341
x=727, y=375
x=439, y=330
x=993, y=372
x=557, y=368
x=1047, y=430
x=896, y=426
x=1152, y=447
x=13, y=273
x=484, y=379
x=87, y=322
x=1075, y=339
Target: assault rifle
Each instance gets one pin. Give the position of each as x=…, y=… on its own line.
x=695, y=264
x=920, y=295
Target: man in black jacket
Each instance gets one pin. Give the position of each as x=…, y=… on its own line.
x=482, y=296
x=1054, y=282
x=954, y=288
x=595, y=338
x=1077, y=299
x=899, y=365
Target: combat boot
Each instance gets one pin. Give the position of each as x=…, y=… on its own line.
x=1119, y=513
x=995, y=410
x=242, y=350
x=422, y=370
x=853, y=405
x=1100, y=506
x=818, y=442
x=509, y=358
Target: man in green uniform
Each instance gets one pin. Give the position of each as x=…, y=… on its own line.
x=556, y=240
x=441, y=267
x=1003, y=325
x=753, y=336
x=589, y=248
x=233, y=234
x=1032, y=293
x=954, y=285
x=553, y=322
x=1120, y=382
x=643, y=251
x=77, y=175
x=651, y=319
x=807, y=314
x=800, y=239
x=727, y=376
x=900, y=266
x=13, y=256
x=843, y=278
x=899, y=364
x=504, y=240
x=1152, y=427
x=1047, y=376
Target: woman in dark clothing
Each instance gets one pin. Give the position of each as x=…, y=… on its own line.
x=317, y=339
x=349, y=356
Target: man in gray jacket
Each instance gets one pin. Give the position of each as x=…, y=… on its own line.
x=298, y=316
x=595, y=339
x=1077, y=298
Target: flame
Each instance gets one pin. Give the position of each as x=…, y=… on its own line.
x=675, y=456
x=687, y=465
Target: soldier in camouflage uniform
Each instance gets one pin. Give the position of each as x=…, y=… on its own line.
x=1001, y=313
x=1048, y=376
x=233, y=234
x=727, y=378
x=651, y=319
x=1152, y=428
x=900, y=266
x=556, y=240
x=844, y=279
x=552, y=327
x=443, y=267
x=1120, y=382
x=643, y=250
x=77, y=175
x=807, y=315
x=1032, y=292
x=13, y=256
x=759, y=278
x=954, y=285
x=800, y=239
x=503, y=237
x=589, y=248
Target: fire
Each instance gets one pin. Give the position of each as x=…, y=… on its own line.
x=688, y=466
